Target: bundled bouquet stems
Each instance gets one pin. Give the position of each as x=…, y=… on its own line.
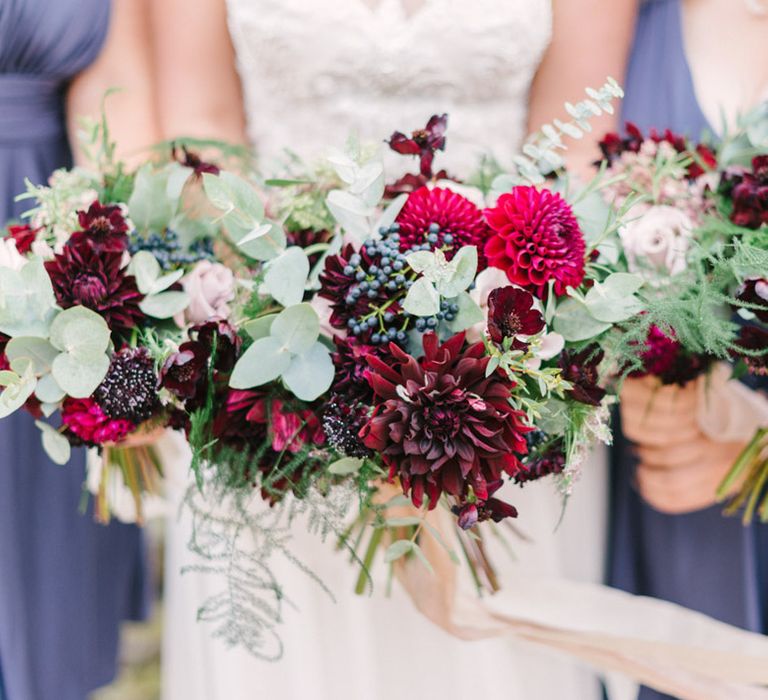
x=751, y=471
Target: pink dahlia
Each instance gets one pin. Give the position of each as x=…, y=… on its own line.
x=88, y=421
x=451, y=219
x=535, y=238
x=440, y=424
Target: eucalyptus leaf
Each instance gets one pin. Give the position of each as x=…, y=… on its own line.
x=27, y=301
x=77, y=377
x=165, y=304
x=468, y=315
x=164, y=281
x=397, y=550
x=80, y=332
x=574, y=322
x=48, y=390
x=345, y=466
x=350, y=212
x=145, y=268
x=422, y=299
x=286, y=276
x=16, y=393
x=421, y=260
x=266, y=245
x=255, y=234
x=310, y=374
x=463, y=267
x=8, y=377
x=259, y=327
x=613, y=300
x=296, y=328
x=178, y=175
x=422, y=557
x=151, y=205
x=39, y=351
x=263, y=362
x=56, y=446
x=389, y=214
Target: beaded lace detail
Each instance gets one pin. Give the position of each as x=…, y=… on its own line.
x=313, y=71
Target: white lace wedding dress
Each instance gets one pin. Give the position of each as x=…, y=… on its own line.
x=313, y=71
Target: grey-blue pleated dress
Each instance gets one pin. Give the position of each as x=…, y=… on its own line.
x=701, y=560
x=65, y=582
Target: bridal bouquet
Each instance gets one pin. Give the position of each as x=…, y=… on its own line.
x=100, y=281
x=697, y=238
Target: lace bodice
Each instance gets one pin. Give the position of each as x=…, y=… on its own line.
x=315, y=70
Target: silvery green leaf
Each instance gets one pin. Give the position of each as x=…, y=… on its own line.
x=39, y=351
x=296, y=327
x=263, y=362
x=609, y=250
x=345, y=466
x=468, y=315
x=165, y=304
x=286, y=276
x=369, y=184
x=8, y=377
x=259, y=327
x=492, y=366
x=27, y=302
x=613, y=300
x=310, y=374
x=162, y=283
x=48, y=409
x=145, y=268
x=574, y=322
x=405, y=521
x=79, y=377
x=56, y=446
x=48, y=391
x=268, y=244
x=345, y=167
x=390, y=213
x=333, y=248
x=421, y=260
x=16, y=393
x=463, y=267
x=350, y=212
x=422, y=557
x=593, y=215
x=80, y=332
x=422, y=299
x=150, y=205
x=178, y=175
x=397, y=550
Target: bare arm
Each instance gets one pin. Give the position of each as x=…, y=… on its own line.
x=198, y=89
x=591, y=40
x=125, y=62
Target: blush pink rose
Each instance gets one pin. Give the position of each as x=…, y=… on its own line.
x=210, y=286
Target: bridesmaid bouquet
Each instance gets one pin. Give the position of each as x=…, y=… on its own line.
x=105, y=276
x=697, y=237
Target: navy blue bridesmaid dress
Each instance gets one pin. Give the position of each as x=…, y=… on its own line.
x=65, y=582
x=701, y=560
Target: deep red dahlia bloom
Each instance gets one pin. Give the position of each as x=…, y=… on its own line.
x=581, y=370
x=83, y=276
x=535, y=238
x=350, y=361
x=422, y=142
x=455, y=216
x=88, y=421
x=23, y=235
x=440, y=424
x=104, y=226
x=511, y=313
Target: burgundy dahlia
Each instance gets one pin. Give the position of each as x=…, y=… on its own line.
x=755, y=341
x=88, y=421
x=452, y=220
x=511, y=313
x=440, y=424
x=755, y=291
x=83, y=276
x=613, y=145
x=471, y=513
x=581, y=370
x=422, y=142
x=23, y=235
x=350, y=361
x=104, y=226
x=535, y=238
x=749, y=194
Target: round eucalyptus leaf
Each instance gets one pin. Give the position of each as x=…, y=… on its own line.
x=259, y=327
x=80, y=332
x=468, y=315
x=79, y=378
x=574, y=322
x=39, y=351
x=463, y=268
x=267, y=245
x=56, y=446
x=47, y=390
x=297, y=328
x=311, y=374
x=263, y=362
x=345, y=466
x=422, y=299
x=286, y=276
x=165, y=304
x=15, y=395
x=421, y=260
x=145, y=268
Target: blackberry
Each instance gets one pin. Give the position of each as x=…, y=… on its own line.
x=129, y=391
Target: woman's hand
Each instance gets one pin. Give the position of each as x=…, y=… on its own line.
x=680, y=467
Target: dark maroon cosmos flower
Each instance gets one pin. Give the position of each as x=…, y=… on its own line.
x=511, y=313
x=755, y=291
x=81, y=276
x=469, y=514
x=754, y=340
x=104, y=227
x=23, y=235
x=422, y=142
x=185, y=370
x=190, y=159
x=440, y=424
x=749, y=194
x=453, y=220
x=613, y=145
x=535, y=238
x=581, y=370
